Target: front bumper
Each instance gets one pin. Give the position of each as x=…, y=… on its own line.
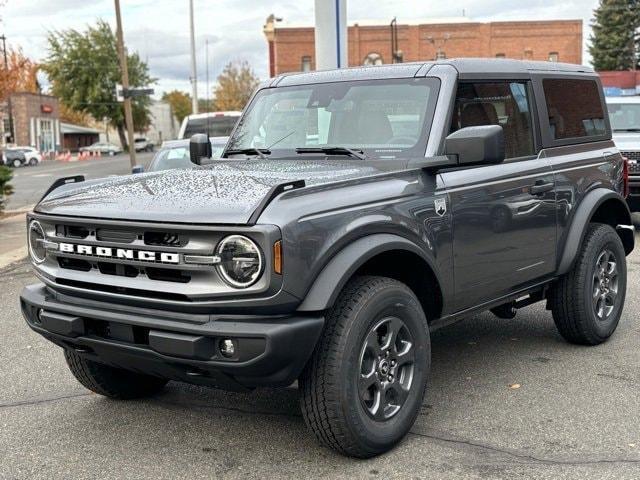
x=269, y=350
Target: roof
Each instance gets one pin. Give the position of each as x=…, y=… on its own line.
x=69, y=128
x=407, y=70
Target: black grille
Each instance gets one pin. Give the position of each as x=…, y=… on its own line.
x=115, y=236
x=634, y=166
x=163, y=239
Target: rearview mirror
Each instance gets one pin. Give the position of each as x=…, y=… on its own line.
x=199, y=148
x=138, y=169
x=476, y=145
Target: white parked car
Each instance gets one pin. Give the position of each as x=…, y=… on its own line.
x=215, y=124
x=32, y=156
x=143, y=144
x=103, y=148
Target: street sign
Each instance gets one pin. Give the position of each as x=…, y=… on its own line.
x=122, y=93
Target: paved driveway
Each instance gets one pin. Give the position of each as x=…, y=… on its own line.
x=574, y=416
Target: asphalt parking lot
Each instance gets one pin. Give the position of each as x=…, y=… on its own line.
x=575, y=414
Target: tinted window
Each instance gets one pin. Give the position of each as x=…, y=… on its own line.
x=574, y=107
x=212, y=126
x=497, y=103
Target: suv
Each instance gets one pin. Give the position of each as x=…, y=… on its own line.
x=351, y=214
x=624, y=114
x=142, y=144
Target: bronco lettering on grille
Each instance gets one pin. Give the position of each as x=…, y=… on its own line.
x=119, y=253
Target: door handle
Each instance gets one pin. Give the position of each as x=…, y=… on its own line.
x=541, y=187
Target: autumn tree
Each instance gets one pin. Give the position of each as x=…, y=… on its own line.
x=83, y=69
x=180, y=103
x=235, y=85
x=20, y=76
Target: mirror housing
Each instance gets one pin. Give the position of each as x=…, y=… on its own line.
x=199, y=148
x=476, y=145
x=138, y=169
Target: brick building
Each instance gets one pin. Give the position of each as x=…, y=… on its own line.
x=292, y=48
x=36, y=121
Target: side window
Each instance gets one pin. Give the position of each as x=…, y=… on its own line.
x=497, y=103
x=574, y=108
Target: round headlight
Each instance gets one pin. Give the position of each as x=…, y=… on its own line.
x=36, y=242
x=240, y=261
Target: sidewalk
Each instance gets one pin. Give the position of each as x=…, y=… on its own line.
x=13, y=242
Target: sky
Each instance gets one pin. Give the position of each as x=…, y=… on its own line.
x=159, y=29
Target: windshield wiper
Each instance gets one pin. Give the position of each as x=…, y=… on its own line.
x=260, y=152
x=333, y=151
x=626, y=130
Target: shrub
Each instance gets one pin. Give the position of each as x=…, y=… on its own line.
x=5, y=188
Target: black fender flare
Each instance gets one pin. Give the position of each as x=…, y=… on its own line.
x=581, y=219
x=333, y=277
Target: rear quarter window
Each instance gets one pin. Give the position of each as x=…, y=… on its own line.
x=574, y=107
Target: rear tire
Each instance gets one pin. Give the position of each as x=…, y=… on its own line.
x=587, y=302
x=112, y=382
x=364, y=386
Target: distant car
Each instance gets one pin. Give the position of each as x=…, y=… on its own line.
x=32, y=156
x=102, y=147
x=175, y=154
x=142, y=144
x=13, y=157
x=214, y=124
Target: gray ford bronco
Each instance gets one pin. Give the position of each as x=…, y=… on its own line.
x=352, y=213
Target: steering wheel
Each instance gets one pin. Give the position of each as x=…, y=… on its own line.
x=403, y=139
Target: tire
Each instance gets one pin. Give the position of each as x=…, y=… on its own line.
x=582, y=317
x=17, y=163
x=33, y=162
x=112, y=382
x=331, y=403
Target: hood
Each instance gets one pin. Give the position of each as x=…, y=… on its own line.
x=225, y=193
x=627, y=141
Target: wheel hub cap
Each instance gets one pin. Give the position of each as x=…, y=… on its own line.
x=386, y=368
x=605, y=285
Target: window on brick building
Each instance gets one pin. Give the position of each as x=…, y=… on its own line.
x=306, y=63
x=554, y=57
x=528, y=54
x=441, y=55
x=373, y=59
x=500, y=55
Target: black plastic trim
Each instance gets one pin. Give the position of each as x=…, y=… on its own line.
x=62, y=181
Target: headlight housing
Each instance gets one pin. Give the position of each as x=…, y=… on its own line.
x=36, y=240
x=241, y=261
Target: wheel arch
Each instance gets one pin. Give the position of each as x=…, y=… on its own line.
x=603, y=206
x=384, y=255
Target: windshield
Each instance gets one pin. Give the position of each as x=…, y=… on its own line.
x=624, y=116
x=178, y=157
x=213, y=126
x=383, y=118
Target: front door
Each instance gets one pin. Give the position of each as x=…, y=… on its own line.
x=504, y=217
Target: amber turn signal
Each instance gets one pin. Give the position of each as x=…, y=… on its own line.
x=277, y=257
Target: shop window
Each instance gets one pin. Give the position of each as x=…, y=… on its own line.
x=373, y=59
x=306, y=64
x=554, y=57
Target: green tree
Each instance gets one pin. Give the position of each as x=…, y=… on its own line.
x=83, y=68
x=614, y=42
x=180, y=103
x=5, y=188
x=235, y=85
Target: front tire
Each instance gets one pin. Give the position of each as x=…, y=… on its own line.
x=17, y=163
x=112, y=382
x=363, y=388
x=587, y=302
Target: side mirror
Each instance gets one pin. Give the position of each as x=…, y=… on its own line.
x=199, y=148
x=138, y=169
x=476, y=145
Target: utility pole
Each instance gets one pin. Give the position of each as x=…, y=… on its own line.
x=6, y=68
x=128, y=115
x=194, y=75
